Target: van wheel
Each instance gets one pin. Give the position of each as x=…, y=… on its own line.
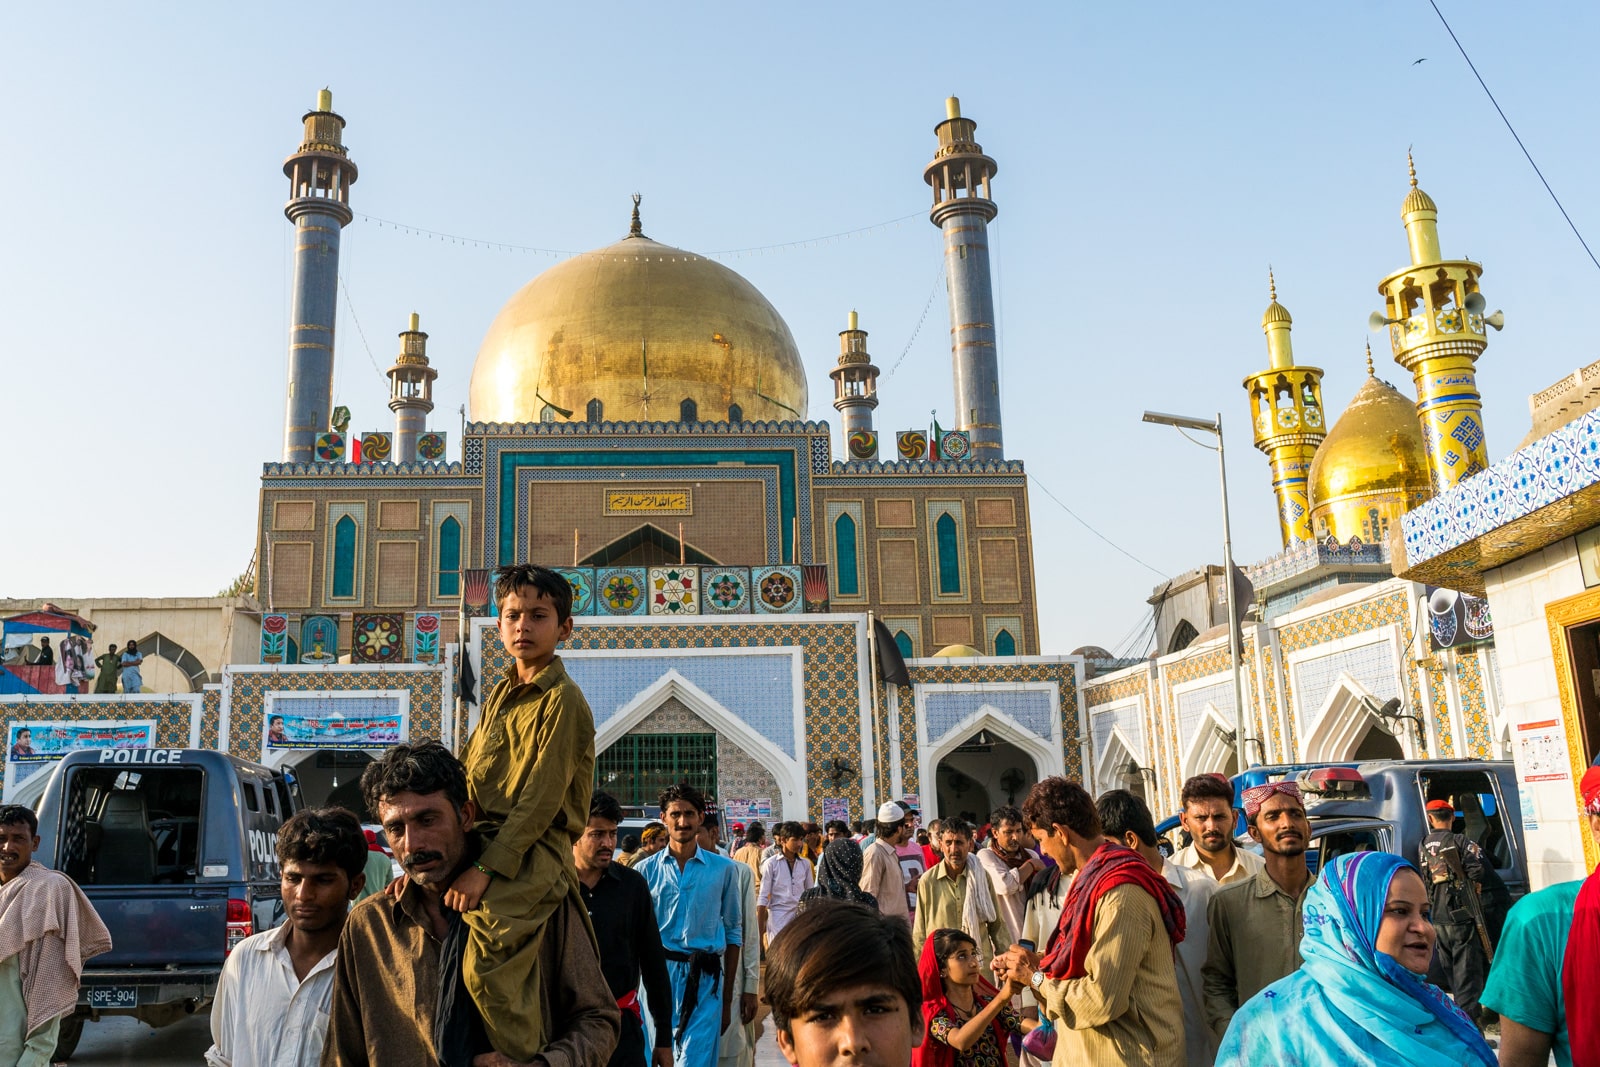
x=67, y=1040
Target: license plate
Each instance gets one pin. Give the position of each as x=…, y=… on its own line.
x=112, y=996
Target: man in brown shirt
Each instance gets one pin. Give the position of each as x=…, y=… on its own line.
x=1256, y=924
x=386, y=986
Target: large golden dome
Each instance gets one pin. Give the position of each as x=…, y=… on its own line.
x=1372, y=467
x=640, y=327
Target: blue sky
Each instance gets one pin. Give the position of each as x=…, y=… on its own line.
x=1154, y=159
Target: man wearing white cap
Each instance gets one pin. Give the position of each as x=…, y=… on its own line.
x=880, y=867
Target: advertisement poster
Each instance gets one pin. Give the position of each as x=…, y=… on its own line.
x=1542, y=751
x=835, y=808
x=745, y=810
x=32, y=747
x=317, y=729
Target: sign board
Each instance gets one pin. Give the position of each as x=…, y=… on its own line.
x=32, y=747
x=1542, y=751
x=747, y=810
x=334, y=720
x=835, y=808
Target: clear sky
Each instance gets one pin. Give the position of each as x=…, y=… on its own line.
x=1153, y=160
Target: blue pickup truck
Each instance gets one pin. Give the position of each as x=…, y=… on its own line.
x=177, y=850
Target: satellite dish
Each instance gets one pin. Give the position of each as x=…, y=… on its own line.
x=1497, y=320
x=1475, y=303
x=1377, y=321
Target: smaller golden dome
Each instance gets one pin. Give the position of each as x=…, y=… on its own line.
x=1275, y=312
x=1373, y=459
x=958, y=652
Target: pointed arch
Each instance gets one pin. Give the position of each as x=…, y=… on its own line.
x=1005, y=644
x=1046, y=753
x=949, y=552
x=902, y=641
x=596, y=411
x=847, y=575
x=344, y=557
x=688, y=410
x=1183, y=636
x=1339, y=726
x=1211, y=748
x=448, y=581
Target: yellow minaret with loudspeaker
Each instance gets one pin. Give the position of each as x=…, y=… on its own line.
x=1434, y=312
x=1286, y=413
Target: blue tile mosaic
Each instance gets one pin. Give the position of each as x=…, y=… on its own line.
x=1032, y=708
x=582, y=581
x=674, y=592
x=755, y=686
x=620, y=591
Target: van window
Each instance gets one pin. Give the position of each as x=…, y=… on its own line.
x=271, y=796
x=126, y=827
x=1478, y=813
x=1329, y=847
x=252, y=799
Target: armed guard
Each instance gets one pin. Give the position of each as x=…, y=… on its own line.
x=1458, y=875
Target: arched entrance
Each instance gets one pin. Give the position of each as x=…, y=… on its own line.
x=1378, y=744
x=327, y=777
x=1346, y=727
x=980, y=774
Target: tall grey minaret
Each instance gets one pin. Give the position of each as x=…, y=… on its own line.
x=410, y=391
x=320, y=175
x=959, y=175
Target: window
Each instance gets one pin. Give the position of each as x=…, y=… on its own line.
x=450, y=556
x=844, y=556
x=688, y=410
x=902, y=641
x=1182, y=636
x=596, y=411
x=638, y=766
x=344, y=557
x=949, y=554
x=547, y=413
x=1005, y=644
x=735, y=413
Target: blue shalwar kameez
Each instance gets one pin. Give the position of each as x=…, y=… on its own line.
x=699, y=909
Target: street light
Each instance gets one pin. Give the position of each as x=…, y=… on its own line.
x=1186, y=422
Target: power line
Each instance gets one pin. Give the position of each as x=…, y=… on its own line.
x=928, y=306
x=1514, y=136
x=1092, y=530
x=359, y=331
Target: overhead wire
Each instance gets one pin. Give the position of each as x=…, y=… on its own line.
x=1514, y=135
x=1084, y=523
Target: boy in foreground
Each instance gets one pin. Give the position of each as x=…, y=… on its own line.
x=530, y=770
x=842, y=984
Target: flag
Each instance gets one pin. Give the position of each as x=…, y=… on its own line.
x=891, y=665
x=934, y=452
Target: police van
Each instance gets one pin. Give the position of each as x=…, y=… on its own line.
x=177, y=850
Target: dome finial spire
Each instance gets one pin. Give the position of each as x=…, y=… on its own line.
x=1411, y=165
x=1272, y=285
x=1370, y=372
x=635, y=227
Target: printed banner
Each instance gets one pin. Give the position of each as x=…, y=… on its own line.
x=288, y=729
x=274, y=638
x=32, y=747
x=1456, y=619
x=835, y=808
x=747, y=810
x=425, y=639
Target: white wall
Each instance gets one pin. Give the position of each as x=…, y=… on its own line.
x=1518, y=594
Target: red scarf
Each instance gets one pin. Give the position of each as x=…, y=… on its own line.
x=1110, y=866
x=933, y=1052
x=1583, y=958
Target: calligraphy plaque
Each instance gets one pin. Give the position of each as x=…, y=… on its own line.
x=649, y=502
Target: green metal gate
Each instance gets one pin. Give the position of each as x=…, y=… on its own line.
x=638, y=766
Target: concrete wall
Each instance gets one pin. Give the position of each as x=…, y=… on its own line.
x=1518, y=594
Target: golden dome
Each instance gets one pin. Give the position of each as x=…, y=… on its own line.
x=958, y=652
x=639, y=326
x=1373, y=460
x=1275, y=312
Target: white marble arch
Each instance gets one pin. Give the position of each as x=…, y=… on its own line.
x=1047, y=755
x=1339, y=726
x=1110, y=769
x=790, y=774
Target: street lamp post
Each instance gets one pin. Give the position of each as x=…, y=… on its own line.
x=1185, y=422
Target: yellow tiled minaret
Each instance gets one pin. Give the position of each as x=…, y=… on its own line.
x=1286, y=412
x=1436, y=327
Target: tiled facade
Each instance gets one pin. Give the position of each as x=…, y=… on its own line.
x=178, y=718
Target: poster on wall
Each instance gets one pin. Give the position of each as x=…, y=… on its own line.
x=835, y=808
x=1456, y=620
x=289, y=726
x=32, y=747
x=1542, y=751
x=744, y=810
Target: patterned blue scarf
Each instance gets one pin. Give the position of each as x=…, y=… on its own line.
x=1348, y=1002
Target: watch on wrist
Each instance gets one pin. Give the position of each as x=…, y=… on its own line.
x=1037, y=980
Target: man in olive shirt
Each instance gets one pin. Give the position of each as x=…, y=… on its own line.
x=955, y=894
x=386, y=985
x=1256, y=925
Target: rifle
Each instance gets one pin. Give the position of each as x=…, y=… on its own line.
x=1452, y=858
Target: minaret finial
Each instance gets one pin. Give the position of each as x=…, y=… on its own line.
x=1370, y=372
x=1411, y=165
x=636, y=228
x=1272, y=285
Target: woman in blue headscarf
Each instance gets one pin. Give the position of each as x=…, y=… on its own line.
x=1361, y=995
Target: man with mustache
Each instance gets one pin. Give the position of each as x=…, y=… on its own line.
x=624, y=919
x=1208, y=817
x=1256, y=924
x=388, y=984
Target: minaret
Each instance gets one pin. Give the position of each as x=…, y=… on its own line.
x=1436, y=327
x=855, y=383
x=959, y=175
x=320, y=175
x=1286, y=411
x=410, y=391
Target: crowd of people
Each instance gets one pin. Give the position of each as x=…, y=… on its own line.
x=520, y=933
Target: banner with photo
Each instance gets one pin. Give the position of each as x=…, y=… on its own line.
x=32, y=747
x=310, y=722
x=1456, y=620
